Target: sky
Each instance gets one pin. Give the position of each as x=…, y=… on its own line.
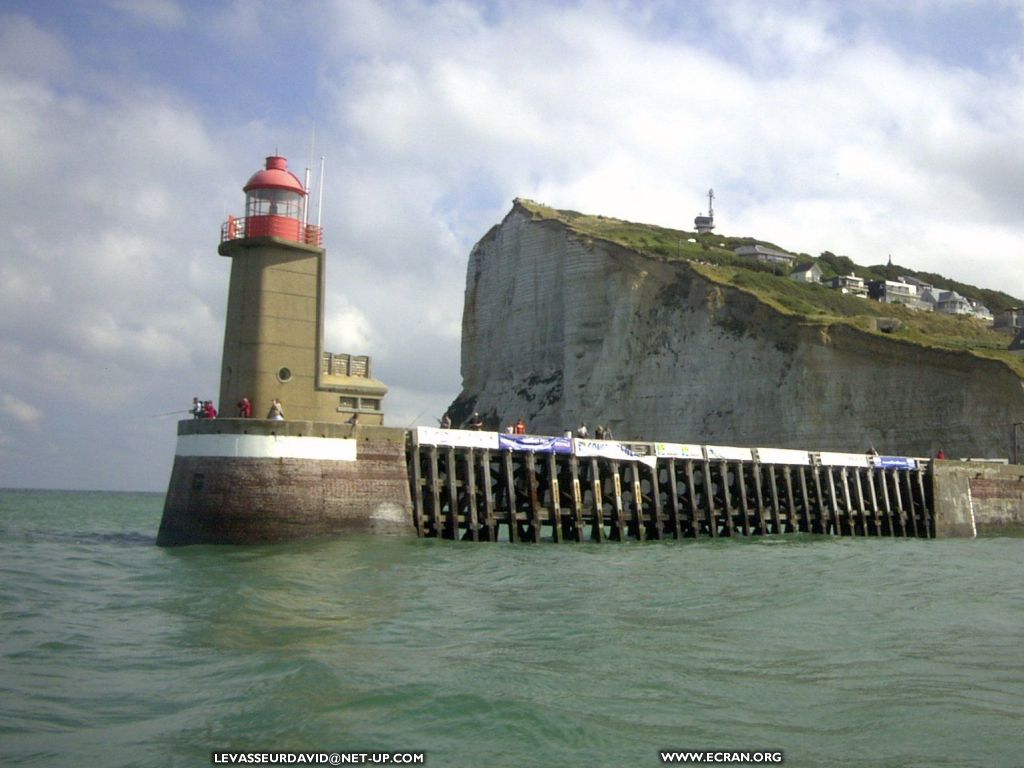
x=128, y=128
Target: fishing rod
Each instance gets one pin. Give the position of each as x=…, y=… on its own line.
x=409, y=425
x=169, y=413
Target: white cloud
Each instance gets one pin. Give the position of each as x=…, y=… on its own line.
x=20, y=410
x=27, y=50
x=348, y=330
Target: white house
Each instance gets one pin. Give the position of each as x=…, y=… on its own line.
x=952, y=303
x=981, y=312
x=894, y=292
x=850, y=284
x=806, y=273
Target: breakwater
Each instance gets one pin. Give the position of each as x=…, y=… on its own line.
x=245, y=481
x=490, y=486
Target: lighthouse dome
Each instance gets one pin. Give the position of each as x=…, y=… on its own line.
x=275, y=176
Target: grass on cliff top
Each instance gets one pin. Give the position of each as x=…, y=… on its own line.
x=647, y=239
x=713, y=256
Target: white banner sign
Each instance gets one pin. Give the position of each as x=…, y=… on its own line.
x=727, y=453
x=678, y=451
x=782, y=456
x=609, y=449
x=459, y=438
x=830, y=459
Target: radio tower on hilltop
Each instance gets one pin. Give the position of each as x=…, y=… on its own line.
x=704, y=224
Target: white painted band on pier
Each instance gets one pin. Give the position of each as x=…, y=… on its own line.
x=267, y=447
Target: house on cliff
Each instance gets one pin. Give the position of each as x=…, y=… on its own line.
x=765, y=255
x=850, y=284
x=806, y=273
x=897, y=292
x=1011, y=319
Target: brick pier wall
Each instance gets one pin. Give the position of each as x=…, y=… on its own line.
x=249, y=500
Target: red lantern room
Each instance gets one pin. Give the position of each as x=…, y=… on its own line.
x=274, y=207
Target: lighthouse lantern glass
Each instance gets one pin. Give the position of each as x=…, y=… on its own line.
x=273, y=202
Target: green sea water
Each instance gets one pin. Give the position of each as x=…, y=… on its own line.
x=838, y=652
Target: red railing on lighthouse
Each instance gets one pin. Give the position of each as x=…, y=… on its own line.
x=282, y=227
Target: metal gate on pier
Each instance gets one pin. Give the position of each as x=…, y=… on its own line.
x=481, y=486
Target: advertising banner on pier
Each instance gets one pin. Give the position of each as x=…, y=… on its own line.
x=535, y=443
x=610, y=449
x=728, y=453
x=783, y=456
x=895, y=462
x=831, y=459
x=678, y=451
x=456, y=438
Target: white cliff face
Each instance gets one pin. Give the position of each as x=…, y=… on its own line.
x=560, y=331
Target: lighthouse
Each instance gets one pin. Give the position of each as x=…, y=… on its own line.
x=329, y=467
x=273, y=332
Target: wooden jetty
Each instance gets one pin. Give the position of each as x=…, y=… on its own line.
x=486, y=486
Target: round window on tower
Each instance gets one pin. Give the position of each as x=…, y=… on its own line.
x=284, y=374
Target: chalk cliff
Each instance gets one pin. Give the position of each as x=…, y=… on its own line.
x=559, y=328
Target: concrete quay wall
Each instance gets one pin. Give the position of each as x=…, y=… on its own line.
x=977, y=498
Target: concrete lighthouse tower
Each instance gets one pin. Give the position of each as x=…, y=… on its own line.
x=273, y=334
x=329, y=466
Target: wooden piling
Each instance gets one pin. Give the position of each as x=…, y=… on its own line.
x=673, y=499
x=471, y=523
x=691, y=492
x=773, y=487
x=741, y=485
x=926, y=515
x=759, y=491
x=805, y=501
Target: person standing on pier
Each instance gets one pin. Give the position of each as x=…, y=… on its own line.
x=520, y=428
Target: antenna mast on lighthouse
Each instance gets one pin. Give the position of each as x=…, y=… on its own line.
x=309, y=173
x=320, y=192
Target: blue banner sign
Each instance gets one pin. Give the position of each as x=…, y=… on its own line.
x=535, y=443
x=895, y=462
